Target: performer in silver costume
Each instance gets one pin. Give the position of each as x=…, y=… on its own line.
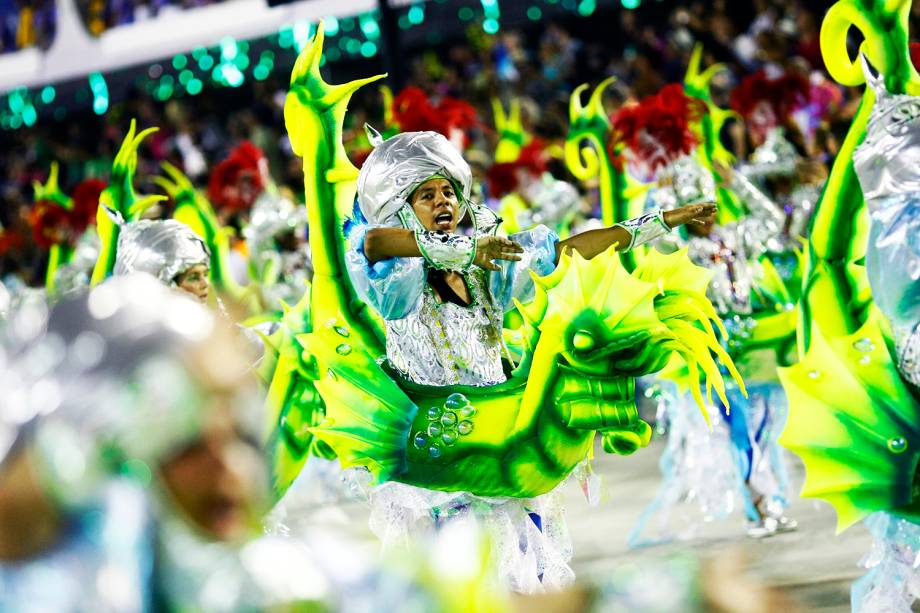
x=68, y=542
x=693, y=465
x=148, y=385
x=443, y=299
x=169, y=251
x=279, y=257
x=887, y=164
x=795, y=193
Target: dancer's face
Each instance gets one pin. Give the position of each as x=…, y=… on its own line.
x=436, y=205
x=195, y=282
x=216, y=480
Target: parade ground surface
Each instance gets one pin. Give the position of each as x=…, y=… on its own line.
x=813, y=566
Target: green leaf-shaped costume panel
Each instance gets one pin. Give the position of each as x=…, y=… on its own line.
x=590, y=329
x=855, y=424
x=852, y=419
x=588, y=157
x=58, y=254
x=120, y=197
x=708, y=129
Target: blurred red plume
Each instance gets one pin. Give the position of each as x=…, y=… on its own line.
x=657, y=128
x=237, y=181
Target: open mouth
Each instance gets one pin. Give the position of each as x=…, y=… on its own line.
x=444, y=220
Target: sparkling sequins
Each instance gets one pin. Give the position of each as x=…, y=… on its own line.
x=448, y=344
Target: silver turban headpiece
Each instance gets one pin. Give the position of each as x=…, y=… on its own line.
x=163, y=249
x=397, y=166
x=776, y=157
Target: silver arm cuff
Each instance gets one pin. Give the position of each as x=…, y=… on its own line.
x=645, y=228
x=445, y=251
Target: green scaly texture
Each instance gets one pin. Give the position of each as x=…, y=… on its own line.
x=852, y=419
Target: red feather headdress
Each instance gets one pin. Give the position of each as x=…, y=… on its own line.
x=245, y=162
x=53, y=224
x=414, y=112
x=503, y=178
x=767, y=102
x=9, y=240
x=656, y=130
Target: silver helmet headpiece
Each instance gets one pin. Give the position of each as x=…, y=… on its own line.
x=163, y=249
x=272, y=215
x=691, y=183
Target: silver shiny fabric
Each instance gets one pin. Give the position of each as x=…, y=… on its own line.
x=284, y=274
x=100, y=561
x=731, y=253
x=691, y=183
x=6, y=299
x=776, y=157
x=445, y=251
x=645, y=228
x=888, y=166
x=441, y=343
x=552, y=202
x=273, y=215
x=163, y=249
x=114, y=358
x=400, y=164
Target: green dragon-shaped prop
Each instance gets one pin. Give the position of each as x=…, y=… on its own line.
x=707, y=130
x=59, y=254
x=511, y=134
x=591, y=328
x=120, y=197
x=588, y=157
x=852, y=418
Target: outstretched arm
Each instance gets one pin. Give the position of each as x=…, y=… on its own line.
x=628, y=234
x=383, y=243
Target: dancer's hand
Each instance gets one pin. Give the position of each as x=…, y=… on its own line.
x=694, y=214
x=490, y=248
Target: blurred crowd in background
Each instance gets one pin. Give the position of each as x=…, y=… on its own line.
x=541, y=65
x=32, y=23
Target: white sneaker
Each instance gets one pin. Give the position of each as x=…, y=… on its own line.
x=765, y=528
